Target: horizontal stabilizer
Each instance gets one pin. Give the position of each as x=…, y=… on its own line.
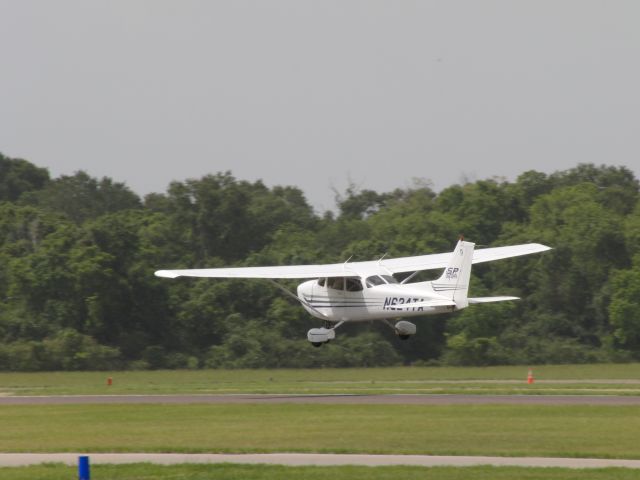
x=427, y=303
x=167, y=273
x=491, y=299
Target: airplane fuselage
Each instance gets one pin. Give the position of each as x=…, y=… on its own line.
x=371, y=303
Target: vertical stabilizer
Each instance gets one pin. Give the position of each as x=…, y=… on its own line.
x=454, y=282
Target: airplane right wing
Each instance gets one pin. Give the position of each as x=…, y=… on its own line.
x=441, y=260
x=390, y=266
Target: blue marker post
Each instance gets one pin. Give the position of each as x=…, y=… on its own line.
x=83, y=468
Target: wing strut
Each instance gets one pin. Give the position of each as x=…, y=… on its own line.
x=292, y=295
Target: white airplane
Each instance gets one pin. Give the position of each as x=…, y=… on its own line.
x=362, y=291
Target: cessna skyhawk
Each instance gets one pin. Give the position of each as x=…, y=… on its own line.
x=362, y=291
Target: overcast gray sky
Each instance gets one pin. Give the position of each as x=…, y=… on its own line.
x=310, y=93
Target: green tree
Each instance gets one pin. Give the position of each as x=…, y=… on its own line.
x=625, y=310
x=220, y=217
x=18, y=176
x=617, y=188
x=81, y=197
x=77, y=257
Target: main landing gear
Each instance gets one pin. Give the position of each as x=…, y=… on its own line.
x=320, y=336
x=403, y=329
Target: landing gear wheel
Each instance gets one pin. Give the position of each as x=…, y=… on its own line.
x=404, y=337
x=318, y=336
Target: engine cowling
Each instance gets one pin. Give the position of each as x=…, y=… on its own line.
x=318, y=336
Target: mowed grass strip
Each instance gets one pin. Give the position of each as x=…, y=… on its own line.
x=507, y=430
x=605, y=379
x=274, y=472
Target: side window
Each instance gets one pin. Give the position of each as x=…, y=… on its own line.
x=322, y=281
x=353, y=284
x=390, y=279
x=374, y=280
x=337, y=283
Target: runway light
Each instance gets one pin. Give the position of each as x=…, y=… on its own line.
x=83, y=468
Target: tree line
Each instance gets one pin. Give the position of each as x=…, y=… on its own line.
x=77, y=256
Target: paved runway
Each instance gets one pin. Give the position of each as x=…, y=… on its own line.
x=327, y=399
x=293, y=459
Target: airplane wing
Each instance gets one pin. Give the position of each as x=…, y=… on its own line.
x=390, y=266
x=293, y=271
x=441, y=260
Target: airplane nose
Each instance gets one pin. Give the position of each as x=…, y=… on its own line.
x=304, y=289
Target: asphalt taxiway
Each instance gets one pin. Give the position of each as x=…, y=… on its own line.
x=311, y=459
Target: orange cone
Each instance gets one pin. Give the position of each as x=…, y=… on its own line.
x=530, y=377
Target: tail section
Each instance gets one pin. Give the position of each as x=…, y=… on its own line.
x=454, y=282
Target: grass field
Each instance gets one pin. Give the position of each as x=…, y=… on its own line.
x=270, y=472
x=504, y=430
x=550, y=379
x=507, y=430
